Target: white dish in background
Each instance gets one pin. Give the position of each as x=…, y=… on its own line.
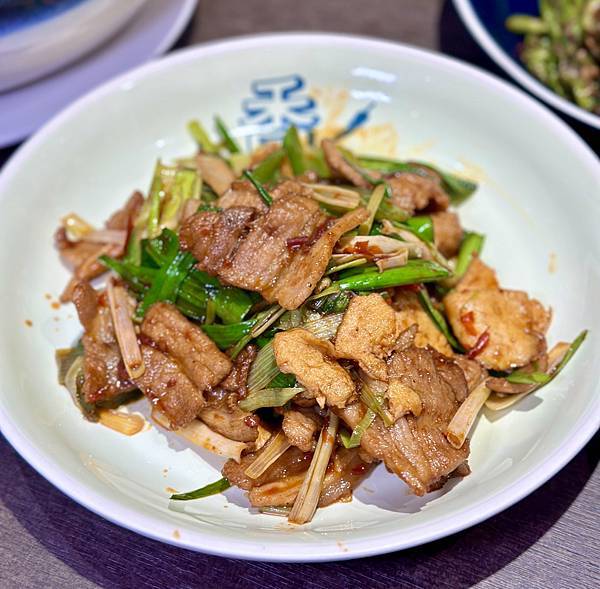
x=44, y=46
x=516, y=70
x=154, y=29
x=533, y=203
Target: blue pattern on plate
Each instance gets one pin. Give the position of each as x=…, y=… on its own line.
x=494, y=14
x=16, y=15
x=275, y=104
x=279, y=102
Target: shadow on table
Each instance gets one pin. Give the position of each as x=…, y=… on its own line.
x=454, y=39
x=111, y=556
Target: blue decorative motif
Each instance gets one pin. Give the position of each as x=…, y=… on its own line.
x=359, y=119
x=16, y=15
x=276, y=104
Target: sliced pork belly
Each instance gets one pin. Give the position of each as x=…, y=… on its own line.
x=416, y=192
x=82, y=256
x=447, y=232
x=231, y=422
x=281, y=251
x=308, y=264
x=213, y=237
x=340, y=167
x=105, y=377
x=264, y=253
x=280, y=484
x=182, y=363
x=300, y=428
x=241, y=194
x=215, y=172
x=168, y=388
x=415, y=447
x=185, y=342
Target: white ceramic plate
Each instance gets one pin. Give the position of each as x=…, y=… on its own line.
x=538, y=200
x=516, y=70
x=155, y=28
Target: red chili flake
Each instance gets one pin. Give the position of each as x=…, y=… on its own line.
x=251, y=421
x=295, y=244
x=360, y=247
x=468, y=320
x=321, y=229
x=359, y=469
x=480, y=345
x=103, y=299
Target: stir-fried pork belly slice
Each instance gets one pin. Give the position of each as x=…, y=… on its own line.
x=213, y=237
x=295, y=284
x=168, y=388
x=186, y=343
x=280, y=484
x=300, y=428
x=415, y=447
x=215, y=172
x=281, y=252
x=241, y=194
x=410, y=312
x=235, y=383
x=265, y=251
x=447, y=232
x=367, y=334
x=503, y=328
x=474, y=372
x=222, y=413
x=416, y=192
x=411, y=192
x=233, y=423
x=105, y=377
x=339, y=166
x=196, y=233
x=82, y=256
x=345, y=471
x=292, y=462
x=313, y=362
x=181, y=364
x=438, y=380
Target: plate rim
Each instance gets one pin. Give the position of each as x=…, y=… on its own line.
x=518, y=73
x=151, y=527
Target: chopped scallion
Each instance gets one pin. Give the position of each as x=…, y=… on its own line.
x=206, y=491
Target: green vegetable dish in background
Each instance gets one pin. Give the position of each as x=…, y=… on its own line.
x=561, y=47
x=303, y=311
